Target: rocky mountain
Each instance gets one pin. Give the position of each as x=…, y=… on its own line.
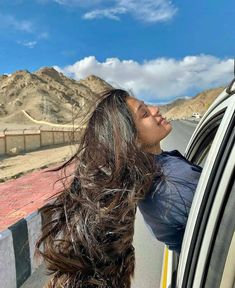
x=184, y=108
x=46, y=95
x=50, y=96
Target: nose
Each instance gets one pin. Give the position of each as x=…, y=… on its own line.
x=154, y=110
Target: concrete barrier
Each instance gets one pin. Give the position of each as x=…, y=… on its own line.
x=30, y=140
x=7, y=263
x=17, y=248
x=46, y=138
x=25, y=140
x=14, y=141
x=34, y=224
x=58, y=137
x=2, y=144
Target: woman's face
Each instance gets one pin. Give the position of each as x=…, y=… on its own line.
x=150, y=125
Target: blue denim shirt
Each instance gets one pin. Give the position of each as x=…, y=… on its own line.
x=166, y=207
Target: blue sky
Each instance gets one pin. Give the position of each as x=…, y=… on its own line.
x=160, y=49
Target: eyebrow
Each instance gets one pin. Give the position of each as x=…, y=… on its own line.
x=140, y=106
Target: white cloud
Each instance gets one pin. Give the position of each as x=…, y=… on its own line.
x=144, y=10
x=20, y=25
x=28, y=44
x=111, y=13
x=158, y=79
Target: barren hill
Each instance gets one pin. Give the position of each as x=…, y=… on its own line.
x=186, y=107
x=46, y=95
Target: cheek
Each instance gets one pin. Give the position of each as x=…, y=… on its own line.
x=150, y=132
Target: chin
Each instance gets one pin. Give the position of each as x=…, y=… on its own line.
x=168, y=129
x=170, y=126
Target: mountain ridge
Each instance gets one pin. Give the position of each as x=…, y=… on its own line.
x=48, y=95
x=184, y=108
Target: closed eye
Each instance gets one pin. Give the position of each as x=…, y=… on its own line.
x=145, y=114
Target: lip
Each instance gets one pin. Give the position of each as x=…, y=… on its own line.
x=161, y=120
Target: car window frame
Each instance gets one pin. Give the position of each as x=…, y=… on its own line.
x=205, y=137
x=224, y=227
x=209, y=166
x=226, y=149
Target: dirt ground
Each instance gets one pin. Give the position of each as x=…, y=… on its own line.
x=12, y=167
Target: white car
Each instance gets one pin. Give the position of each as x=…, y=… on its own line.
x=196, y=115
x=207, y=256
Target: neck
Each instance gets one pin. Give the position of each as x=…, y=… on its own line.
x=156, y=149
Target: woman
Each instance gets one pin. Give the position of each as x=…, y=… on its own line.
x=166, y=206
x=88, y=231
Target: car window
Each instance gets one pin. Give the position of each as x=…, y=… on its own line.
x=204, y=140
x=202, y=156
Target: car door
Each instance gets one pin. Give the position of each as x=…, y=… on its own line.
x=207, y=254
x=211, y=146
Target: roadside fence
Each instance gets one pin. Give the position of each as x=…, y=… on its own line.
x=13, y=142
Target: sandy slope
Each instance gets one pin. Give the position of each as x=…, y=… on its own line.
x=16, y=166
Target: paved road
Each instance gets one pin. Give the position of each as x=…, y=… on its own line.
x=149, y=252
x=179, y=136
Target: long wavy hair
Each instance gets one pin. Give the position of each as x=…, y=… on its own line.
x=88, y=229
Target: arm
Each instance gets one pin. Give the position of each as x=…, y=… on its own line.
x=166, y=207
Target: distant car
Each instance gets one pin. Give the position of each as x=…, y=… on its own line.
x=196, y=115
x=207, y=256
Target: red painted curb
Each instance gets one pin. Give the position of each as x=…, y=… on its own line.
x=20, y=197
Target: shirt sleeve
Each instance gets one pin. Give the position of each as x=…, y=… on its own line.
x=166, y=212
x=166, y=208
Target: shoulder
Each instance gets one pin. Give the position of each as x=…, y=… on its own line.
x=174, y=157
x=171, y=194
x=169, y=158
x=174, y=165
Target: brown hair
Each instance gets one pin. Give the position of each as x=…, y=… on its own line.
x=88, y=231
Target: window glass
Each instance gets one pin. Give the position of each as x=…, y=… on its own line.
x=200, y=158
x=204, y=139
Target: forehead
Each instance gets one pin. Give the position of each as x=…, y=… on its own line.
x=134, y=104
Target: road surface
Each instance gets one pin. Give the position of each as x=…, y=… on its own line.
x=148, y=251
